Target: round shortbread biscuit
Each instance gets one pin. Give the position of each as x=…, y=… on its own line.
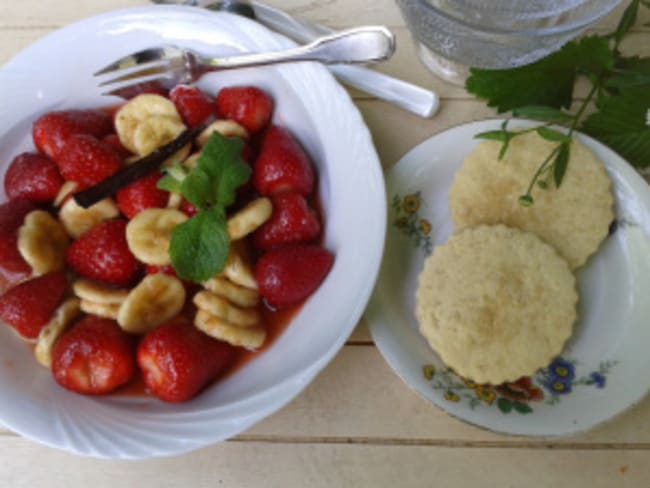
x=573, y=218
x=496, y=303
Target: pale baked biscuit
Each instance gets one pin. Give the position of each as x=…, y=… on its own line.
x=496, y=303
x=574, y=218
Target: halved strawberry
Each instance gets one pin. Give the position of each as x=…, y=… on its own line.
x=102, y=253
x=94, y=357
x=34, y=177
x=292, y=222
x=27, y=307
x=289, y=274
x=282, y=165
x=246, y=105
x=13, y=268
x=141, y=194
x=50, y=131
x=194, y=105
x=87, y=160
x=177, y=360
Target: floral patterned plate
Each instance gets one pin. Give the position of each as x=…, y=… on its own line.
x=603, y=369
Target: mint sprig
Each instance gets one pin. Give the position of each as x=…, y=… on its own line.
x=199, y=247
x=620, y=93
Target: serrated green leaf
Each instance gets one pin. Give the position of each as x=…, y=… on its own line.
x=622, y=123
x=560, y=163
x=540, y=112
x=169, y=183
x=196, y=187
x=493, y=135
x=548, y=82
x=627, y=21
x=221, y=160
x=629, y=72
x=199, y=247
x=551, y=134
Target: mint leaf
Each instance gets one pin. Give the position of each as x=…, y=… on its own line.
x=493, y=135
x=541, y=112
x=622, y=124
x=548, y=82
x=629, y=72
x=199, y=247
x=560, y=163
x=626, y=22
x=174, y=176
x=551, y=134
x=196, y=187
x=221, y=161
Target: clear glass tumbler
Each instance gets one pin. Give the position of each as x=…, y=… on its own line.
x=453, y=35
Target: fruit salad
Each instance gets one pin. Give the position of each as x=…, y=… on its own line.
x=173, y=276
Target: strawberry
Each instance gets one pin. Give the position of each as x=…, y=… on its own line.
x=282, y=165
x=87, y=160
x=101, y=253
x=292, y=222
x=94, y=357
x=194, y=105
x=246, y=105
x=177, y=360
x=50, y=131
x=290, y=274
x=27, y=307
x=34, y=177
x=188, y=209
x=13, y=268
x=114, y=141
x=141, y=194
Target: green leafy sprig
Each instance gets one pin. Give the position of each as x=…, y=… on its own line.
x=199, y=247
x=620, y=92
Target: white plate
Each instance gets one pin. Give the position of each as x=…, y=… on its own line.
x=56, y=72
x=604, y=367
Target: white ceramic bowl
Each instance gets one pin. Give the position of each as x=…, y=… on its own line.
x=56, y=73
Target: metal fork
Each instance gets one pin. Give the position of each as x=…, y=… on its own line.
x=170, y=65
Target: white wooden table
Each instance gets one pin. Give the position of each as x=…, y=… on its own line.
x=357, y=424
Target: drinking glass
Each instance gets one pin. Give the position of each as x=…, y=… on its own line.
x=453, y=35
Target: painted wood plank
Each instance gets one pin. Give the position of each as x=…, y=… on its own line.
x=258, y=464
x=358, y=398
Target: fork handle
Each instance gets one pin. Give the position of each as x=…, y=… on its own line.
x=352, y=46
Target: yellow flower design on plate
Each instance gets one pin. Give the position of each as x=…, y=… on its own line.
x=411, y=203
x=425, y=226
x=428, y=370
x=486, y=394
x=451, y=396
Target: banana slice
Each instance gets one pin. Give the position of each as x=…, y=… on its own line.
x=154, y=132
x=249, y=218
x=63, y=317
x=42, y=242
x=92, y=291
x=106, y=310
x=239, y=295
x=227, y=128
x=148, y=234
x=139, y=109
x=178, y=157
x=156, y=299
x=67, y=189
x=238, y=268
x=223, y=309
x=78, y=220
x=248, y=337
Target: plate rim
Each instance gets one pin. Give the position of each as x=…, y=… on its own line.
x=376, y=310
x=296, y=382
